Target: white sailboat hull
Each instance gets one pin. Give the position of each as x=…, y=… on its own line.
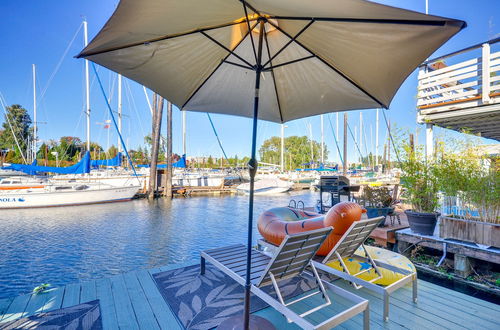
x=30, y=199
x=266, y=187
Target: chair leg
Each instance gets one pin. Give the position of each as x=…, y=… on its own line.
x=202, y=266
x=366, y=318
x=386, y=307
x=415, y=288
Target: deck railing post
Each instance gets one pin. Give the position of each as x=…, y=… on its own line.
x=485, y=73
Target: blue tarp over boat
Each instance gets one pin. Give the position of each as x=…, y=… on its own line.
x=181, y=163
x=115, y=161
x=83, y=166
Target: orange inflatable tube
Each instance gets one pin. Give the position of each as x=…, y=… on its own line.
x=276, y=223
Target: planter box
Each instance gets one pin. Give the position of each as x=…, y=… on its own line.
x=470, y=231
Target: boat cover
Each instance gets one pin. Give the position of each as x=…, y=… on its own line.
x=115, y=161
x=83, y=166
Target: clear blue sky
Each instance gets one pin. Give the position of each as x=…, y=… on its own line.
x=39, y=32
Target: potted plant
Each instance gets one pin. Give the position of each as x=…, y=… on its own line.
x=421, y=189
x=470, y=182
x=377, y=201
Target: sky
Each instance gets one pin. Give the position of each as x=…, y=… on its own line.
x=49, y=34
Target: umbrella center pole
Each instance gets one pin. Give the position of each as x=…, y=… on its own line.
x=252, y=166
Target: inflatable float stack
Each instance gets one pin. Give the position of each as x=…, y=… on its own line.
x=276, y=223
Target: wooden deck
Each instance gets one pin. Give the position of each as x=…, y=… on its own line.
x=132, y=301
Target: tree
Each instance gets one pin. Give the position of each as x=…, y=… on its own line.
x=69, y=148
x=297, y=151
x=112, y=152
x=17, y=123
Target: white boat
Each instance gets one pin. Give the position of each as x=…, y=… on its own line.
x=22, y=182
x=266, y=187
x=113, y=177
x=66, y=195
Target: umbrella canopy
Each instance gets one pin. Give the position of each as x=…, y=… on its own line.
x=295, y=58
x=318, y=57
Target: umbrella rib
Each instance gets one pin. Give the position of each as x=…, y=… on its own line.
x=162, y=38
x=231, y=52
x=251, y=7
x=289, y=42
x=270, y=68
x=330, y=66
x=216, y=68
x=274, y=79
x=248, y=24
x=239, y=65
x=371, y=20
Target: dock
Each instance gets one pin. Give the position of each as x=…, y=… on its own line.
x=132, y=301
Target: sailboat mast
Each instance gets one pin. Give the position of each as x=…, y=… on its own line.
x=184, y=132
x=311, y=140
x=361, y=134
x=282, y=152
x=87, y=85
x=322, y=142
x=376, y=139
x=337, y=133
x=119, y=111
x=35, y=128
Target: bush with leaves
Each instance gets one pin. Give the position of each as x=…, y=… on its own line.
x=419, y=178
x=377, y=197
x=473, y=177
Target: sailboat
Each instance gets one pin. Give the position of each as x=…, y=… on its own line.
x=66, y=192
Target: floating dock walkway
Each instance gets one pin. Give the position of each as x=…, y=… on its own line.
x=132, y=301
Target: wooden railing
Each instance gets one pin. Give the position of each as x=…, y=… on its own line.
x=466, y=84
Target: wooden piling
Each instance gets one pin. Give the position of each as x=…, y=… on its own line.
x=167, y=183
x=155, y=143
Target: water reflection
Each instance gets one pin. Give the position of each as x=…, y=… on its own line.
x=69, y=244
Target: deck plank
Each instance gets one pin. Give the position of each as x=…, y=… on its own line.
x=446, y=293
x=106, y=302
x=404, y=313
x=16, y=308
x=4, y=305
x=164, y=315
x=450, y=308
x=54, y=301
x=142, y=308
x=71, y=295
x=125, y=315
x=88, y=292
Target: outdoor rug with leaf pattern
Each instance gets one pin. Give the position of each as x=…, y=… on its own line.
x=204, y=301
x=86, y=316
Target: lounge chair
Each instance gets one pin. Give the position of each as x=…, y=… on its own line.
x=290, y=259
x=346, y=247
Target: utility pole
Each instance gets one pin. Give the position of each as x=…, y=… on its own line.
x=87, y=84
x=119, y=111
x=282, y=151
x=345, y=144
x=35, y=128
x=155, y=145
x=168, y=175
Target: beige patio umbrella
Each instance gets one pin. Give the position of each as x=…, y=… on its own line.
x=294, y=58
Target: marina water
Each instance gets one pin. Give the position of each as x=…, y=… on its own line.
x=70, y=244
